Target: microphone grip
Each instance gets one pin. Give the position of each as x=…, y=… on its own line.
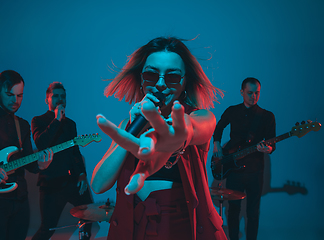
x=139, y=122
x=63, y=113
x=137, y=125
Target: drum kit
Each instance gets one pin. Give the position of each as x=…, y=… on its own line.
x=89, y=213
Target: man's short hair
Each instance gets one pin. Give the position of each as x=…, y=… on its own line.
x=250, y=80
x=9, y=78
x=52, y=86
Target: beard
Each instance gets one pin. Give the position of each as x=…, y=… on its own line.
x=9, y=110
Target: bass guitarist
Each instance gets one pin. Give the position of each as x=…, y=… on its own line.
x=249, y=124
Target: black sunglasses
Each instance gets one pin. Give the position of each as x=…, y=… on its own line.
x=169, y=78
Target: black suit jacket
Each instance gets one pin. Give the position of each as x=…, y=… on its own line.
x=47, y=132
x=9, y=137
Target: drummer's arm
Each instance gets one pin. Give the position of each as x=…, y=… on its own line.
x=107, y=170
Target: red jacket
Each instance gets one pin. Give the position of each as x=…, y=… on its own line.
x=205, y=221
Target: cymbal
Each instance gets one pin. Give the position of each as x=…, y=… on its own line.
x=96, y=212
x=219, y=193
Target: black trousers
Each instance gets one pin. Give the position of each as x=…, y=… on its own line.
x=14, y=219
x=52, y=202
x=251, y=184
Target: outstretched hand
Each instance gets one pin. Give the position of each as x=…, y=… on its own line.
x=162, y=137
x=153, y=147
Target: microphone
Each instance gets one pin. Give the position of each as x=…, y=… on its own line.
x=140, y=121
x=60, y=107
x=63, y=113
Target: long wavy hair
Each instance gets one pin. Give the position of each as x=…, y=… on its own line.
x=200, y=92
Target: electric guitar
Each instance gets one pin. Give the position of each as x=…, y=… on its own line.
x=291, y=187
x=9, y=167
x=221, y=167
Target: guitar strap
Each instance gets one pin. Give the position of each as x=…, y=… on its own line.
x=18, y=131
x=254, y=125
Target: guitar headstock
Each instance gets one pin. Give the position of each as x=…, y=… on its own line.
x=294, y=187
x=84, y=140
x=304, y=128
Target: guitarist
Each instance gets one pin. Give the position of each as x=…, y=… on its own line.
x=65, y=180
x=249, y=125
x=14, y=206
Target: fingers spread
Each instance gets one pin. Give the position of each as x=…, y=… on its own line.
x=152, y=114
x=147, y=144
x=120, y=136
x=106, y=126
x=177, y=115
x=135, y=183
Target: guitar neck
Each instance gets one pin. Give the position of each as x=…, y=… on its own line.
x=13, y=165
x=244, y=152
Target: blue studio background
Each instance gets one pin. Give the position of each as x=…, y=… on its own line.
x=278, y=42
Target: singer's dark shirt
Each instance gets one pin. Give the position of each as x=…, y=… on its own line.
x=47, y=132
x=9, y=137
x=240, y=119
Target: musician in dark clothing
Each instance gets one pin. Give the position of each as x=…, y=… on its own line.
x=65, y=180
x=249, y=125
x=14, y=206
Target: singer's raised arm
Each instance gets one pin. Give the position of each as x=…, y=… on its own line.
x=145, y=147
x=153, y=147
x=106, y=172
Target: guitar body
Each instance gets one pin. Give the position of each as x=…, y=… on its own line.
x=221, y=171
x=8, y=187
x=5, y=154
x=221, y=168
x=10, y=167
x=233, y=152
